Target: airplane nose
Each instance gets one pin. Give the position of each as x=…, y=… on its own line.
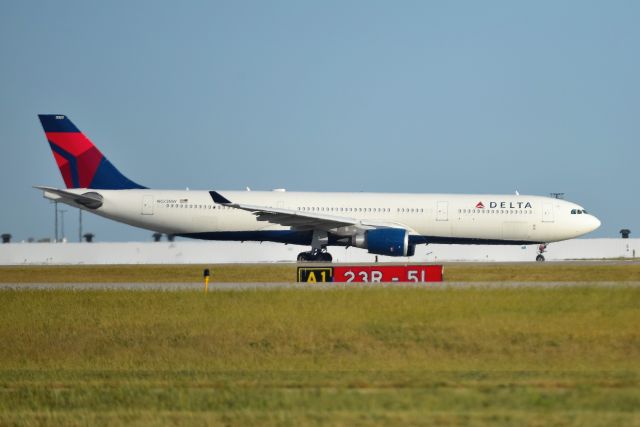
x=595, y=223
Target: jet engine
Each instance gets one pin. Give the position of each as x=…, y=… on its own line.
x=385, y=241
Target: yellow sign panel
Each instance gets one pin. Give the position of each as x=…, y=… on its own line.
x=315, y=274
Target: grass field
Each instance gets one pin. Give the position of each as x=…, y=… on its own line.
x=532, y=357
x=488, y=272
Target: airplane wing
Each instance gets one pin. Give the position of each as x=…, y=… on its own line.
x=91, y=199
x=307, y=220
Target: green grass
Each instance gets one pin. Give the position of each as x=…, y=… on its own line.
x=561, y=356
x=489, y=272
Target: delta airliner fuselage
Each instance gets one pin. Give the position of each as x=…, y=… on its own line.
x=383, y=223
x=431, y=218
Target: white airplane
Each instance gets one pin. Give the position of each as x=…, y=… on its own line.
x=382, y=223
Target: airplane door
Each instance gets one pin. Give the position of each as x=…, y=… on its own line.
x=442, y=213
x=147, y=205
x=547, y=212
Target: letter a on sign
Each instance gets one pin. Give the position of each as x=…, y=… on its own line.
x=315, y=274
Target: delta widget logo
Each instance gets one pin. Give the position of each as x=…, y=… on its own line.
x=506, y=205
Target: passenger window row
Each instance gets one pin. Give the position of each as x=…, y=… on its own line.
x=191, y=206
x=304, y=208
x=360, y=210
x=496, y=211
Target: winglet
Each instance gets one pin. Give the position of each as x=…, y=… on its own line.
x=218, y=198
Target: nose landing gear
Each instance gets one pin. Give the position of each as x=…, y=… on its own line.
x=541, y=249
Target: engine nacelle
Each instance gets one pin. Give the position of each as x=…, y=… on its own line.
x=385, y=241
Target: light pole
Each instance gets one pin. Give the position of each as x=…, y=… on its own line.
x=79, y=225
x=55, y=205
x=62, y=212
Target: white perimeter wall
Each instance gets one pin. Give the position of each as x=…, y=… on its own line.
x=197, y=252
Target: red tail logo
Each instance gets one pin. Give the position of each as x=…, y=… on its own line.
x=81, y=164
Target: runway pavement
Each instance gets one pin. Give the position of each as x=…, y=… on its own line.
x=191, y=286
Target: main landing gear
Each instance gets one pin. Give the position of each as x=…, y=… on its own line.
x=318, y=250
x=541, y=249
x=320, y=255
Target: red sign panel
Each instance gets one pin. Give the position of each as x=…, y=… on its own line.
x=387, y=273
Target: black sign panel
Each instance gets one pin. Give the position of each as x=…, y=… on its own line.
x=315, y=274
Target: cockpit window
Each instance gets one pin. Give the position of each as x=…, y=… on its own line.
x=578, y=211
x=573, y=211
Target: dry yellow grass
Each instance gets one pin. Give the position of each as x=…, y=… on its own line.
x=148, y=273
x=544, y=272
x=518, y=272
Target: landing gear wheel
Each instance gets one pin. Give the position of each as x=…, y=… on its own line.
x=325, y=256
x=541, y=249
x=316, y=255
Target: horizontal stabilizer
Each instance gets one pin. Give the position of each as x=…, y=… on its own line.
x=90, y=199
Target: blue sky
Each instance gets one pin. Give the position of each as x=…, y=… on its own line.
x=405, y=96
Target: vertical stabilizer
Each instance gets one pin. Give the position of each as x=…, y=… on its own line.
x=80, y=162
